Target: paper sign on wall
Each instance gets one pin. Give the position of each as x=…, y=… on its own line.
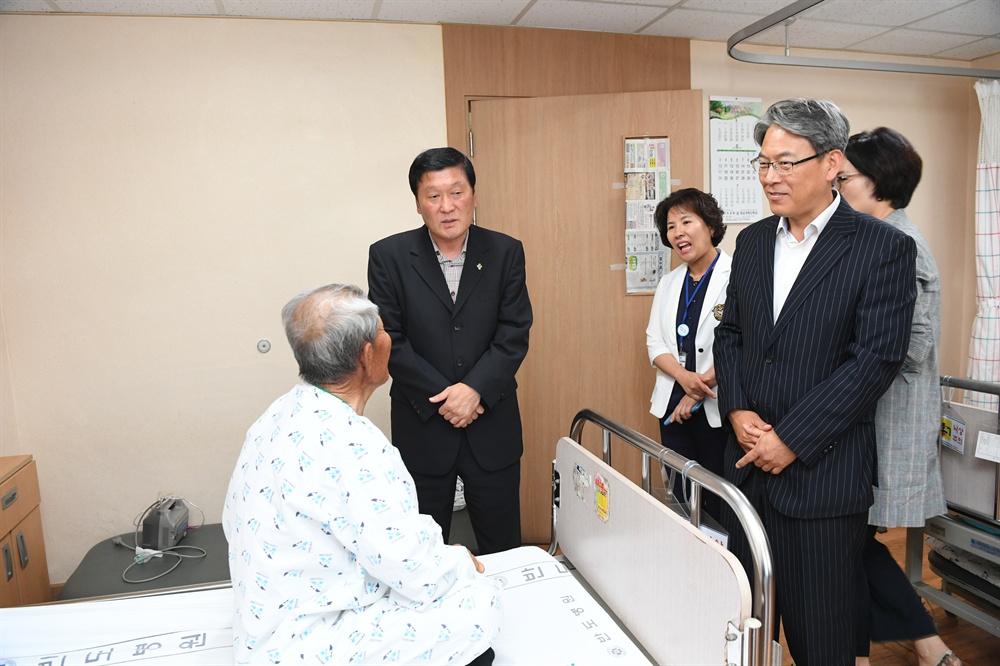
x=647, y=182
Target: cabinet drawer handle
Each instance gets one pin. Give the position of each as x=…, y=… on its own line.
x=8, y=562
x=9, y=497
x=22, y=549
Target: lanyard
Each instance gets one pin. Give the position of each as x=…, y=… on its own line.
x=683, y=329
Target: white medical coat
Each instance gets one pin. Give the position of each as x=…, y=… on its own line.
x=661, y=333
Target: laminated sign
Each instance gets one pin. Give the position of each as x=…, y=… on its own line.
x=602, y=497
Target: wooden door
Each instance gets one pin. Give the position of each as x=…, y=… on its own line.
x=550, y=172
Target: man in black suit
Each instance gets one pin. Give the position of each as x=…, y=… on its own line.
x=453, y=298
x=815, y=328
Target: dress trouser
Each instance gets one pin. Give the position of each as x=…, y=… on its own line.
x=695, y=439
x=889, y=609
x=816, y=563
x=493, y=500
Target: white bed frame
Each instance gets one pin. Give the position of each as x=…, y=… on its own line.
x=684, y=597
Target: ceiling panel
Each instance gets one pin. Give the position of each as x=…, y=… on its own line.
x=979, y=17
x=883, y=12
x=960, y=29
x=178, y=8
x=693, y=24
x=984, y=47
x=39, y=6
x=912, y=42
x=578, y=15
x=301, y=9
x=662, y=4
x=482, y=12
x=804, y=33
x=759, y=7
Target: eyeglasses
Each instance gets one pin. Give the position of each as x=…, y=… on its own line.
x=843, y=178
x=781, y=168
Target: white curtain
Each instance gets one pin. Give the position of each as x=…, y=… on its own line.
x=984, y=349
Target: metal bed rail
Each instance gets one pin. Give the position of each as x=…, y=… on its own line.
x=763, y=649
x=971, y=385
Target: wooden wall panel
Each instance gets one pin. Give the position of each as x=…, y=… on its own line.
x=496, y=61
x=550, y=172
x=588, y=343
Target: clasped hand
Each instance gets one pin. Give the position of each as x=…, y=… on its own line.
x=461, y=404
x=697, y=386
x=763, y=446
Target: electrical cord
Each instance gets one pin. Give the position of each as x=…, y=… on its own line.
x=143, y=555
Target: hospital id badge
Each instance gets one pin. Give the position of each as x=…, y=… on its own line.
x=682, y=358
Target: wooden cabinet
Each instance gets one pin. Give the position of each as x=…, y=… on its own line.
x=24, y=572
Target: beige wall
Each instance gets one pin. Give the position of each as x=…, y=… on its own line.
x=9, y=443
x=167, y=185
x=940, y=116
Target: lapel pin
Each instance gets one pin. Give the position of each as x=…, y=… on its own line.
x=479, y=266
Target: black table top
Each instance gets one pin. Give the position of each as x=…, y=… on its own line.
x=100, y=572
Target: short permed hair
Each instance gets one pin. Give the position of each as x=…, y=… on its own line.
x=694, y=200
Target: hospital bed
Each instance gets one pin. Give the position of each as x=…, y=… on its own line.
x=663, y=591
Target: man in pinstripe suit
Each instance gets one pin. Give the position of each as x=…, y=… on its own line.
x=816, y=325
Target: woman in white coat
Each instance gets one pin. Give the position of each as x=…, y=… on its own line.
x=686, y=309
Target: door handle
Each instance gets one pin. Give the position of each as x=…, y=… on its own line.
x=22, y=549
x=8, y=561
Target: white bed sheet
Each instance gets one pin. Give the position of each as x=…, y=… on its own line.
x=548, y=618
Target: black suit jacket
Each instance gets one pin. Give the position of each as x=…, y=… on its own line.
x=480, y=340
x=817, y=372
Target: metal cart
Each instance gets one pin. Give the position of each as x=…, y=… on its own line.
x=952, y=529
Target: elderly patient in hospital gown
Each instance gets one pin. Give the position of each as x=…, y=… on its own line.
x=330, y=560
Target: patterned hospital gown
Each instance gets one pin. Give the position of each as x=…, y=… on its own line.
x=331, y=562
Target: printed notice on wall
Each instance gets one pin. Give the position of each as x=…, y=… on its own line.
x=734, y=182
x=647, y=182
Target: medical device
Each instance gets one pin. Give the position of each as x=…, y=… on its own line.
x=165, y=524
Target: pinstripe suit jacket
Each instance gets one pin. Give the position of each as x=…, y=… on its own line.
x=817, y=372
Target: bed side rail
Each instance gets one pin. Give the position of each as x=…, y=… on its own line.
x=763, y=651
x=974, y=385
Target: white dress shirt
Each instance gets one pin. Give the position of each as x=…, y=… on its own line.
x=790, y=255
